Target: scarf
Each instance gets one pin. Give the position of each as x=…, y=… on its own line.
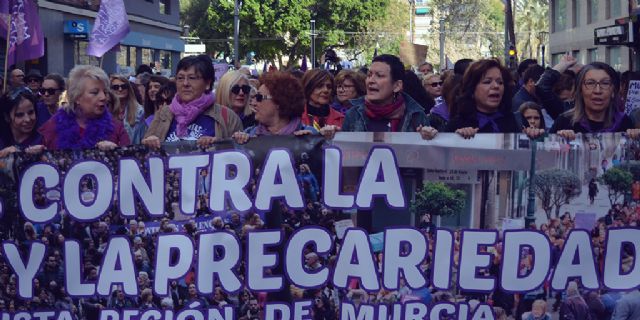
x=68, y=130
x=337, y=106
x=617, y=120
x=393, y=112
x=442, y=110
x=185, y=113
x=290, y=128
x=317, y=115
x=489, y=119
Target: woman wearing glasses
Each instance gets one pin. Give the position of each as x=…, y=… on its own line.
x=318, y=92
x=86, y=121
x=349, y=85
x=130, y=111
x=595, y=105
x=279, y=108
x=433, y=84
x=193, y=114
x=19, y=114
x=234, y=92
x=50, y=91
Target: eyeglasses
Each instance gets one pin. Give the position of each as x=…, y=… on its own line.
x=47, y=91
x=181, y=79
x=591, y=84
x=345, y=87
x=118, y=87
x=245, y=88
x=33, y=80
x=260, y=97
x=436, y=84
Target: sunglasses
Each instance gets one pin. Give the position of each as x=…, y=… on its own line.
x=436, y=84
x=47, y=91
x=259, y=97
x=118, y=87
x=245, y=88
x=33, y=80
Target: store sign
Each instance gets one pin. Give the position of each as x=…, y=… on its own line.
x=451, y=176
x=614, y=35
x=76, y=29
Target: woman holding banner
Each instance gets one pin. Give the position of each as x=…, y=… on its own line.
x=19, y=115
x=280, y=105
x=193, y=114
x=86, y=121
x=385, y=108
x=484, y=104
x=595, y=108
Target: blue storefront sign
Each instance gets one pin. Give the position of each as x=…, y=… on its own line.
x=77, y=29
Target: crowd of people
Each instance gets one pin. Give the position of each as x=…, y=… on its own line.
x=107, y=117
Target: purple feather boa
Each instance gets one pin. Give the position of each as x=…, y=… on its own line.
x=68, y=130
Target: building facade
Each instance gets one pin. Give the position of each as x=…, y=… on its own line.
x=573, y=22
x=154, y=36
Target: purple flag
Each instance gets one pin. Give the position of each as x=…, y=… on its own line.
x=304, y=66
x=19, y=18
x=111, y=26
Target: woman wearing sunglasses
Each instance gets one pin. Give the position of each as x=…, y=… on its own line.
x=19, y=116
x=50, y=91
x=130, y=111
x=279, y=108
x=193, y=114
x=433, y=84
x=595, y=109
x=234, y=92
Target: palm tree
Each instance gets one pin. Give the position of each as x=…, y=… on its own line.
x=531, y=20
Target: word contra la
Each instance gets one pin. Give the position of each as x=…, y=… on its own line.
x=277, y=180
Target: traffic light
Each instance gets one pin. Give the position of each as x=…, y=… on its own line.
x=512, y=56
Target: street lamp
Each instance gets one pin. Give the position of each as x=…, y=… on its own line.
x=531, y=203
x=236, y=33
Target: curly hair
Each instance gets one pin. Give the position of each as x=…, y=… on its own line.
x=286, y=92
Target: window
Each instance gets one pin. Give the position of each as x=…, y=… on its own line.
x=614, y=9
x=614, y=58
x=80, y=55
x=147, y=55
x=165, y=6
x=592, y=55
x=555, y=58
x=577, y=13
x=592, y=11
x=559, y=15
x=576, y=54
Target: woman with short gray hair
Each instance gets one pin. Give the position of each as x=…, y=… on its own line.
x=85, y=122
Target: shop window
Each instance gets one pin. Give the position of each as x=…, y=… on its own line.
x=165, y=7
x=559, y=15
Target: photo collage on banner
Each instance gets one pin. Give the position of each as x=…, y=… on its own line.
x=365, y=226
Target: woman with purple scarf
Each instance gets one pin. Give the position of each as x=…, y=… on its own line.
x=595, y=109
x=280, y=105
x=86, y=121
x=193, y=114
x=484, y=103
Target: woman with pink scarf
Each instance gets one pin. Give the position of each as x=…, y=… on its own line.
x=193, y=114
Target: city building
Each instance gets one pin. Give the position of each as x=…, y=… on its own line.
x=154, y=36
x=577, y=25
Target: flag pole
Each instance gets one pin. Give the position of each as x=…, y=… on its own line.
x=6, y=55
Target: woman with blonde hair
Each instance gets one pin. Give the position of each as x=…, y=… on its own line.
x=234, y=92
x=130, y=112
x=85, y=122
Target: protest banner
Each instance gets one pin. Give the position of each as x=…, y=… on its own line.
x=299, y=227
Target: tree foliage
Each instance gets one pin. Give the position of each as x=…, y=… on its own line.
x=277, y=28
x=436, y=198
x=555, y=188
x=618, y=182
x=532, y=19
